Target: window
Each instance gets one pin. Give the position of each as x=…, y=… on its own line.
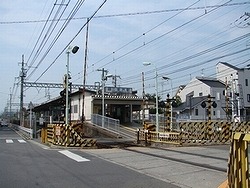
x=248, y=97
x=246, y=82
x=200, y=94
x=218, y=114
x=75, y=109
x=196, y=112
x=218, y=96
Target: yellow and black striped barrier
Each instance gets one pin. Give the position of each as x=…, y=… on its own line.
x=60, y=134
x=238, y=169
x=196, y=133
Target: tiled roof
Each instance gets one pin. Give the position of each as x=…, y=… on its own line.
x=212, y=82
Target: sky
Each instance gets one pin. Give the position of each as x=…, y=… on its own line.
x=181, y=39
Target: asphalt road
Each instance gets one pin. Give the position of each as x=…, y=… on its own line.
x=26, y=164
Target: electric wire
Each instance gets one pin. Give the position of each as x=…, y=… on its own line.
x=71, y=15
x=39, y=37
x=127, y=14
x=79, y=31
x=159, y=37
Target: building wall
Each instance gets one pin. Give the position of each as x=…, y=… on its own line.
x=76, y=106
x=198, y=89
x=195, y=86
x=236, y=79
x=225, y=73
x=244, y=81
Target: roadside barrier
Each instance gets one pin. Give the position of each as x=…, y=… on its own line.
x=160, y=137
x=194, y=133
x=60, y=134
x=238, y=169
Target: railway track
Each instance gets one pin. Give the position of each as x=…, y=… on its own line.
x=178, y=155
x=185, y=161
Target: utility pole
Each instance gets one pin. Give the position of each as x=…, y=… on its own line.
x=227, y=100
x=168, y=126
x=115, y=79
x=10, y=105
x=22, y=76
x=85, y=70
x=143, y=100
x=104, y=78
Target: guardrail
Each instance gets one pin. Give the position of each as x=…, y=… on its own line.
x=109, y=123
x=27, y=130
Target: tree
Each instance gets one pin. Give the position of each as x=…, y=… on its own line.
x=152, y=98
x=178, y=100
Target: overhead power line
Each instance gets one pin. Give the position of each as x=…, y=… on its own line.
x=128, y=14
x=161, y=36
x=88, y=20
x=64, y=25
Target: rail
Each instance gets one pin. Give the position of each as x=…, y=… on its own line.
x=109, y=123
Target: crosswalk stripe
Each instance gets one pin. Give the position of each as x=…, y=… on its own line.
x=9, y=141
x=73, y=156
x=21, y=141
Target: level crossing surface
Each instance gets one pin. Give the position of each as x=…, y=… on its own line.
x=186, y=167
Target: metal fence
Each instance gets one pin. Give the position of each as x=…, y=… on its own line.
x=162, y=122
x=109, y=123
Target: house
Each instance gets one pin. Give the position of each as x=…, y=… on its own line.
x=200, y=90
x=237, y=81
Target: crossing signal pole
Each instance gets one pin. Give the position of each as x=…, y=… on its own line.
x=168, y=114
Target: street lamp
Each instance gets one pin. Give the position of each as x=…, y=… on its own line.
x=171, y=107
x=156, y=98
x=73, y=50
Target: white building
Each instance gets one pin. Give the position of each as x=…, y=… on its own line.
x=238, y=88
x=195, y=93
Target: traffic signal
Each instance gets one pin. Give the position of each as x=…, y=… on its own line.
x=63, y=93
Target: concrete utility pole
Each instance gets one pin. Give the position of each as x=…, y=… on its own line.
x=85, y=70
x=22, y=76
x=10, y=105
x=104, y=78
x=143, y=101
x=104, y=73
x=227, y=100
x=115, y=79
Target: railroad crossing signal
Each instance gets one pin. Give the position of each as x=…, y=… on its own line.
x=210, y=105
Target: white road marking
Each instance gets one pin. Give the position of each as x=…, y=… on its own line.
x=9, y=141
x=73, y=156
x=21, y=141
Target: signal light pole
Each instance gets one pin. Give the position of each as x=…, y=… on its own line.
x=73, y=50
x=156, y=97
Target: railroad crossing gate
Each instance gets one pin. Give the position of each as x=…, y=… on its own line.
x=196, y=133
x=60, y=134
